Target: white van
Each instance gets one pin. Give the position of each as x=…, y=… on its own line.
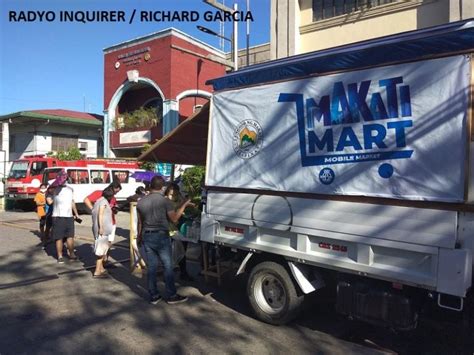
x=85, y=180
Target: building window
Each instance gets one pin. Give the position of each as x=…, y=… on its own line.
x=83, y=146
x=63, y=142
x=323, y=9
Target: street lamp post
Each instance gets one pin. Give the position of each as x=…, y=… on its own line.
x=234, y=41
x=248, y=34
x=213, y=33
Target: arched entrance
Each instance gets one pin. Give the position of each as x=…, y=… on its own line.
x=133, y=118
x=189, y=101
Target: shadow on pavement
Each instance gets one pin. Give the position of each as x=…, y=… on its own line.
x=74, y=313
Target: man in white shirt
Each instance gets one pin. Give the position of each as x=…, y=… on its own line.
x=64, y=213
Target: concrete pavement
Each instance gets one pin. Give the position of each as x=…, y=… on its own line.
x=51, y=308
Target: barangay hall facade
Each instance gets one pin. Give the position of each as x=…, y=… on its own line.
x=165, y=73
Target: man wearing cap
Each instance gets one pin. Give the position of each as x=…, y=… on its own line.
x=64, y=213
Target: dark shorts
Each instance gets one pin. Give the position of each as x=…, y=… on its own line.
x=63, y=227
x=49, y=221
x=42, y=221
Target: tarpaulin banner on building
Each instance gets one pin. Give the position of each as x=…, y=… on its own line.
x=396, y=131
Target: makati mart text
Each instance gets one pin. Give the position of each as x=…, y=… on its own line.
x=335, y=123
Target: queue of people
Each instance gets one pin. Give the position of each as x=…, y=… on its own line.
x=157, y=209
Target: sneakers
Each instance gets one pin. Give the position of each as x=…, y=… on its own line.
x=155, y=299
x=60, y=260
x=176, y=299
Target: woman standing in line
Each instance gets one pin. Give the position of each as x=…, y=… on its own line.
x=102, y=218
x=172, y=193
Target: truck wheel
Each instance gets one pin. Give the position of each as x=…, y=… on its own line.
x=272, y=294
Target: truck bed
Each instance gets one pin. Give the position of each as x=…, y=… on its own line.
x=394, y=243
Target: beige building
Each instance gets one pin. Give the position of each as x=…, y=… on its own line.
x=257, y=54
x=301, y=26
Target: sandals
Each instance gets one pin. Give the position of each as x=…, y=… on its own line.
x=104, y=275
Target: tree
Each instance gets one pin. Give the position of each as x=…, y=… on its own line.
x=147, y=165
x=192, y=178
x=72, y=153
x=140, y=118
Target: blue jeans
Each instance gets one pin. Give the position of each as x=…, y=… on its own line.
x=158, y=245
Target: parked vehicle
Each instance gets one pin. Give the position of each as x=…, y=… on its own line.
x=87, y=179
x=26, y=174
x=351, y=169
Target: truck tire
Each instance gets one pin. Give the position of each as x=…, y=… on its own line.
x=272, y=293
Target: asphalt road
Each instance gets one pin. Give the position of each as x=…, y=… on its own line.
x=50, y=308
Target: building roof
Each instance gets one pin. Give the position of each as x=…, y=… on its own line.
x=58, y=115
x=432, y=42
x=165, y=33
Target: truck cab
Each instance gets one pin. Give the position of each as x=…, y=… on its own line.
x=25, y=175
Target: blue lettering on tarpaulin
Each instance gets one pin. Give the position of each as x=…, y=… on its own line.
x=316, y=111
x=356, y=108
x=340, y=112
x=348, y=139
x=326, y=140
x=357, y=101
x=392, y=101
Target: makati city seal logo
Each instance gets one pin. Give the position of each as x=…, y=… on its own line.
x=326, y=176
x=247, y=139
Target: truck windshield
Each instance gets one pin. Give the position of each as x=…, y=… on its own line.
x=18, y=170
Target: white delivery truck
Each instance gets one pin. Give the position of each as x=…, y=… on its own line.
x=348, y=168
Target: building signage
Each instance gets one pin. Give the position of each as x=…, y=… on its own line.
x=134, y=57
x=135, y=137
x=133, y=53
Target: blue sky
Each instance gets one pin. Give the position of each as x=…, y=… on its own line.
x=47, y=65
